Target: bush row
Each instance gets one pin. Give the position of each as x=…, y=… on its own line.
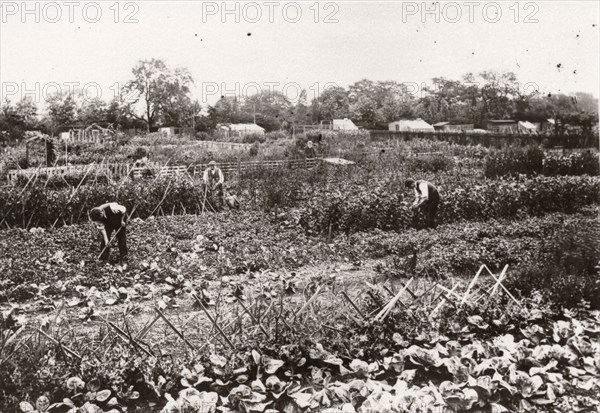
x=42, y=207
x=330, y=199
x=533, y=161
x=556, y=254
x=379, y=206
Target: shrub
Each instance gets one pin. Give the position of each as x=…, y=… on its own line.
x=572, y=164
x=41, y=206
x=202, y=136
x=432, y=164
x=315, y=136
x=139, y=153
x=568, y=270
x=254, y=137
x=356, y=208
x=301, y=140
x=276, y=135
x=74, y=180
x=512, y=161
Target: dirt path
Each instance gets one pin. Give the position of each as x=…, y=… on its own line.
x=81, y=333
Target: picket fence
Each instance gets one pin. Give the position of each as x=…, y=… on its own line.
x=209, y=145
x=111, y=170
x=117, y=171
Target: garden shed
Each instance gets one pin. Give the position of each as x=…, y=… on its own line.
x=526, y=127
x=344, y=124
x=410, y=125
x=241, y=129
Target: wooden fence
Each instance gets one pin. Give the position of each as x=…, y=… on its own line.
x=492, y=139
x=246, y=166
x=88, y=138
x=111, y=170
x=209, y=145
x=213, y=145
x=116, y=171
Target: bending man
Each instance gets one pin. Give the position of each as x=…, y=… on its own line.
x=109, y=218
x=427, y=198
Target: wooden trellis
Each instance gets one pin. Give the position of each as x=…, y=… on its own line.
x=227, y=323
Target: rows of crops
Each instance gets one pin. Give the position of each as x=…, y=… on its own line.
x=321, y=293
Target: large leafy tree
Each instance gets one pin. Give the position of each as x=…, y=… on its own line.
x=332, y=103
x=157, y=90
x=273, y=110
x=445, y=100
x=93, y=111
x=16, y=119
x=375, y=104
x=473, y=99
x=181, y=111
x=498, y=93
x=226, y=110
x=62, y=111
x=26, y=112
x=301, y=113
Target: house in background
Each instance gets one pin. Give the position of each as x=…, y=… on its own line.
x=172, y=131
x=168, y=131
x=240, y=129
x=92, y=133
x=526, y=127
x=407, y=125
x=447, y=127
x=343, y=124
x=502, y=126
x=335, y=124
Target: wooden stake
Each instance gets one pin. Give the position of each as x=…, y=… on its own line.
x=147, y=328
x=466, y=295
x=444, y=299
x=213, y=321
x=253, y=319
x=387, y=309
x=308, y=302
x=353, y=305
x=58, y=343
x=179, y=333
x=129, y=338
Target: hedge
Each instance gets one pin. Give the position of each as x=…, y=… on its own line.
x=364, y=208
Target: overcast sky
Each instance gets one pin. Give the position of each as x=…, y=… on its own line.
x=552, y=44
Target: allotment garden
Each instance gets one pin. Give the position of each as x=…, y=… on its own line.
x=323, y=292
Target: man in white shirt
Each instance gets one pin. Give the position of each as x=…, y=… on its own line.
x=110, y=217
x=427, y=198
x=213, y=179
x=310, y=150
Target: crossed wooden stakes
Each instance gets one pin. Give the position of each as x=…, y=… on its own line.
x=435, y=296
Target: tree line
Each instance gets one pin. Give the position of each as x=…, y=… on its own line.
x=159, y=95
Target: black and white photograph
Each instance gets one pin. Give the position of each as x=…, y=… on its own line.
x=299, y=206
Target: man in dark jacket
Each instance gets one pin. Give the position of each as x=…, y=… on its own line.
x=213, y=177
x=427, y=198
x=309, y=151
x=109, y=218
